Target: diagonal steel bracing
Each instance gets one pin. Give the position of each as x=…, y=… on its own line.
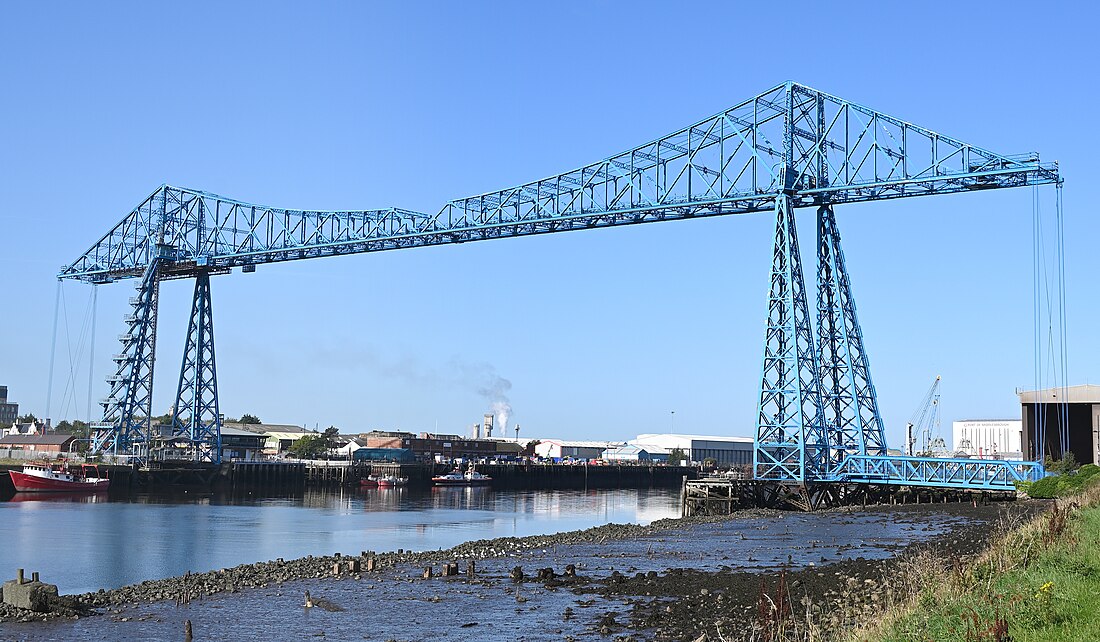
x=195, y=415
x=814, y=146
x=790, y=442
x=128, y=408
x=849, y=405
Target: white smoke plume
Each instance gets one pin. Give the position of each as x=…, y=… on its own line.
x=502, y=410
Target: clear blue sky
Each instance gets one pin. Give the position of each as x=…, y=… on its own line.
x=600, y=333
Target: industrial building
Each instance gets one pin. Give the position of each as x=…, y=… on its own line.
x=633, y=453
x=278, y=436
x=725, y=451
x=988, y=438
x=1077, y=407
x=242, y=445
x=429, y=447
x=38, y=444
x=573, y=449
x=9, y=412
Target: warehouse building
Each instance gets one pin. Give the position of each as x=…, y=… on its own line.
x=1078, y=407
x=726, y=451
x=278, y=437
x=633, y=453
x=573, y=449
x=432, y=447
x=988, y=438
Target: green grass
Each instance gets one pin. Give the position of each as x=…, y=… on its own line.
x=1062, y=485
x=1039, y=582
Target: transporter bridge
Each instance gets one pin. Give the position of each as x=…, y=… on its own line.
x=787, y=148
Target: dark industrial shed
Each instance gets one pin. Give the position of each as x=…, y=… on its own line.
x=1079, y=405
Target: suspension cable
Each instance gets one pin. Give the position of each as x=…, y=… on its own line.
x=91, y=355
x=1062, y=322
x=53, y=346
x=1036, y=304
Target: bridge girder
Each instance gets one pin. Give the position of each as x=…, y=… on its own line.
x=790, y=139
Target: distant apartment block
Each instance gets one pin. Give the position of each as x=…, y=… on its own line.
x=9, y=412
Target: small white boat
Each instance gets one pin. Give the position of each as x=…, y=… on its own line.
x=458, y=478
x=389, y=481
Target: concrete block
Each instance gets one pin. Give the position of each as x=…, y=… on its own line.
x=32, y=595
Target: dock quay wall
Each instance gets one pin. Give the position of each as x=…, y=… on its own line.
x=539, y=476
x=295, y=474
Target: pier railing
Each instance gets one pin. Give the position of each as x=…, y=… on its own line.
x=977, y=474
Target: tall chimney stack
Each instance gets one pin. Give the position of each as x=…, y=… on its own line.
x=488, y=426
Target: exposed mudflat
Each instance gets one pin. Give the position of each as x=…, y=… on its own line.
x=670, y=580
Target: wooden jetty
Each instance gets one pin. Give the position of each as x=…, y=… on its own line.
x=725, y=495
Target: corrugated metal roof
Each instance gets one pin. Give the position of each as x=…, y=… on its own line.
x=1086, y=393
x=229, y=430
x=568, y=443
x=35, y=440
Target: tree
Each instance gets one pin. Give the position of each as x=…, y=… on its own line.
x=249, y=419
x=529, y=449
x=308, y=447
x=28, y=418
x=676, y=457
x=331, y=434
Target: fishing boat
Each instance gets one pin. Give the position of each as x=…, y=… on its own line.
x=389, y=481
x=40, y=477
x=369, y=482
x=458, y=478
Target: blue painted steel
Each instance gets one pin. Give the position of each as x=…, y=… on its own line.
x=791, y=444
x=788, y=147
x=195, y=415
x=125, y=427
x=978, y=474
x=792, y=138
x=849, y=404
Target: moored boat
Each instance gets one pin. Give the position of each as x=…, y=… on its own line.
x=40, y=477
x=369, y=482
x=389, y=481
x=458, y=478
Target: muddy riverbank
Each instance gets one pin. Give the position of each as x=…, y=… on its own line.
x=670, y=580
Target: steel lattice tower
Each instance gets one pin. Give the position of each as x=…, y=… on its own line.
x=791, y=443
x=195, y=415
x=849, y=404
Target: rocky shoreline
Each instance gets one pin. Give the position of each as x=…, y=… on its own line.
x=263, y=574
x=676, y=603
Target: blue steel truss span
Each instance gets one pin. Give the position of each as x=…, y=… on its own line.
x=786, y=148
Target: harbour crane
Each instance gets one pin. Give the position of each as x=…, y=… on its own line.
x=786, y=148
x=924, y=418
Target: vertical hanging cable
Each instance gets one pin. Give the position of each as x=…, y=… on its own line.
x=91, y=355
x=53, y=346
x=1064, y=356
x=1039, y=429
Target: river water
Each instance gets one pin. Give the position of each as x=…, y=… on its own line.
x=84, y=543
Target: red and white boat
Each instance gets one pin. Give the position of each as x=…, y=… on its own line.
x=45, y=477
x=389, y=481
